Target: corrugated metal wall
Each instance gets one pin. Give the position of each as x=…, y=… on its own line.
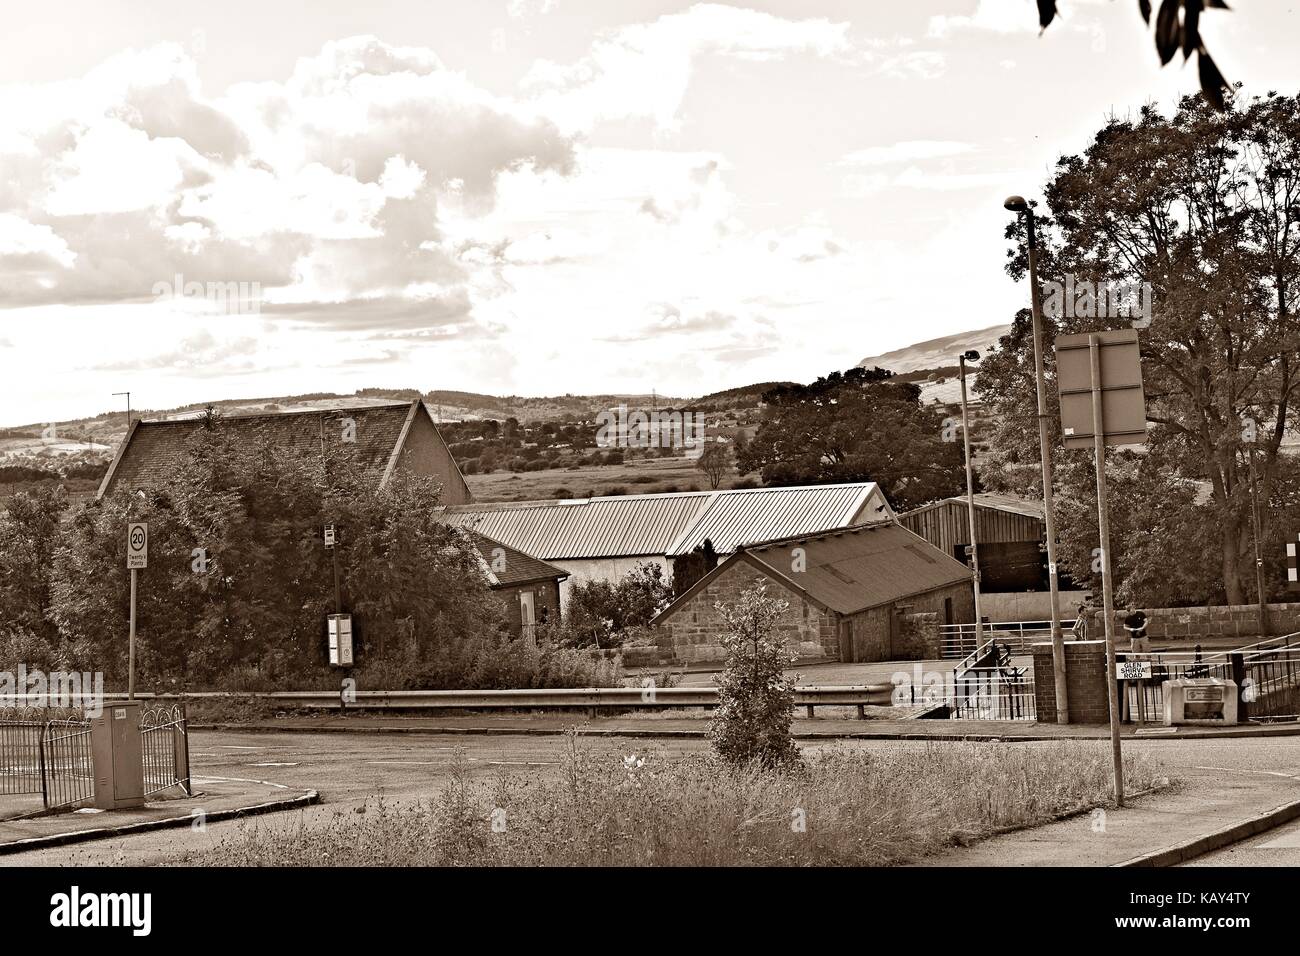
x=945, y=525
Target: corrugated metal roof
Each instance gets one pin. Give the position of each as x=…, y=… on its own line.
x=742, y=517
x=663, y=524
x=1028, y=507
x=622, y=526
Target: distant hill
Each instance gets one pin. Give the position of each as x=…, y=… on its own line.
x=746, y=396
x=940, y=353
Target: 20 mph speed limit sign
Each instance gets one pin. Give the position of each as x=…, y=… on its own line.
x=137, y=546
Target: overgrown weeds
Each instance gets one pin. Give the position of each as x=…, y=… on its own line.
x=842, y=806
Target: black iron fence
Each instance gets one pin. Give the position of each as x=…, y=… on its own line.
x=166, y=749
x=993, y=693
x=1267, y=676
x=67, y=766
x=20, y=755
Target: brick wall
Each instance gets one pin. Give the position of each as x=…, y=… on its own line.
x=1182, y=623
x=694, y=631
x=1086, y=682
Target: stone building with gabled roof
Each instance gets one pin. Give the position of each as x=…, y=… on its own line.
x=388, y=439
x=871, y=592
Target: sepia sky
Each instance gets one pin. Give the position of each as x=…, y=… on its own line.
x=533, y=196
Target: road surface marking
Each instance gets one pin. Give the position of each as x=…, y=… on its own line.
x=1270, y=773
x=272, y=764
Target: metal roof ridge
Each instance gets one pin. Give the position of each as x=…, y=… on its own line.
x=818, y=535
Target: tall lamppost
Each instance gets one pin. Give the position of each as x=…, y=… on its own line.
x=970, y=355
x=1018, y=205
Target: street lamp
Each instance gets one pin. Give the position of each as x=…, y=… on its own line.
x=970, y=355
x=1018, y=205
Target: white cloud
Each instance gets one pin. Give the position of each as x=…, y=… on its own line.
x=905, y=151
x=325, y=184
x=643, y=70
x=996, y=16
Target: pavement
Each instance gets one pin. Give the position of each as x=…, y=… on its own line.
x=1162, y=825
x=214, y=799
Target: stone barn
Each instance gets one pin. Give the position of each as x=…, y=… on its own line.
x=872, y=592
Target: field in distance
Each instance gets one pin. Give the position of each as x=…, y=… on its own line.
x=638, y=476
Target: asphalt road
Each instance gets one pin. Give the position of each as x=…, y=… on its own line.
x=349, y=769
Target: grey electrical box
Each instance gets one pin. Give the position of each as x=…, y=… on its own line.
x=118, y=756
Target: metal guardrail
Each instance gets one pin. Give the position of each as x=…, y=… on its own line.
x=590, y=698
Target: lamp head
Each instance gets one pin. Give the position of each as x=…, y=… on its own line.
x=970, y=355
x=1016, y=204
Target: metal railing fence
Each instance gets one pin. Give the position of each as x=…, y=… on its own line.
x=165, y=748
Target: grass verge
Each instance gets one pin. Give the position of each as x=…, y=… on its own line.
x=880, y=807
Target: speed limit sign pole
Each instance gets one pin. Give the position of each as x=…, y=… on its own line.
x=137, y=557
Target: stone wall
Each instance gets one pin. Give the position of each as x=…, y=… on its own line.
x=694, y=631
x=1189, y=623
x=1086, y=684
x=918, y=637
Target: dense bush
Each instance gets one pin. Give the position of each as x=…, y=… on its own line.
x=603, y=613
x=239, y=579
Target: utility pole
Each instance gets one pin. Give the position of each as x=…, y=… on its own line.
x=1018, y=205
x=973, y=356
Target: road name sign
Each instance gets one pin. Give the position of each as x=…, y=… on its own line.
x=1133, y=670
x=137, y=546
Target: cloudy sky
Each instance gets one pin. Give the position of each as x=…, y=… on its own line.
x=259, y=197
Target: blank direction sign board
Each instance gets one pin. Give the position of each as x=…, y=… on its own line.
x=137, y=546
x=1124, y=414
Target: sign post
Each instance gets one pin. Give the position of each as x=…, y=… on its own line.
x=1099, y=377
x=137, y=557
